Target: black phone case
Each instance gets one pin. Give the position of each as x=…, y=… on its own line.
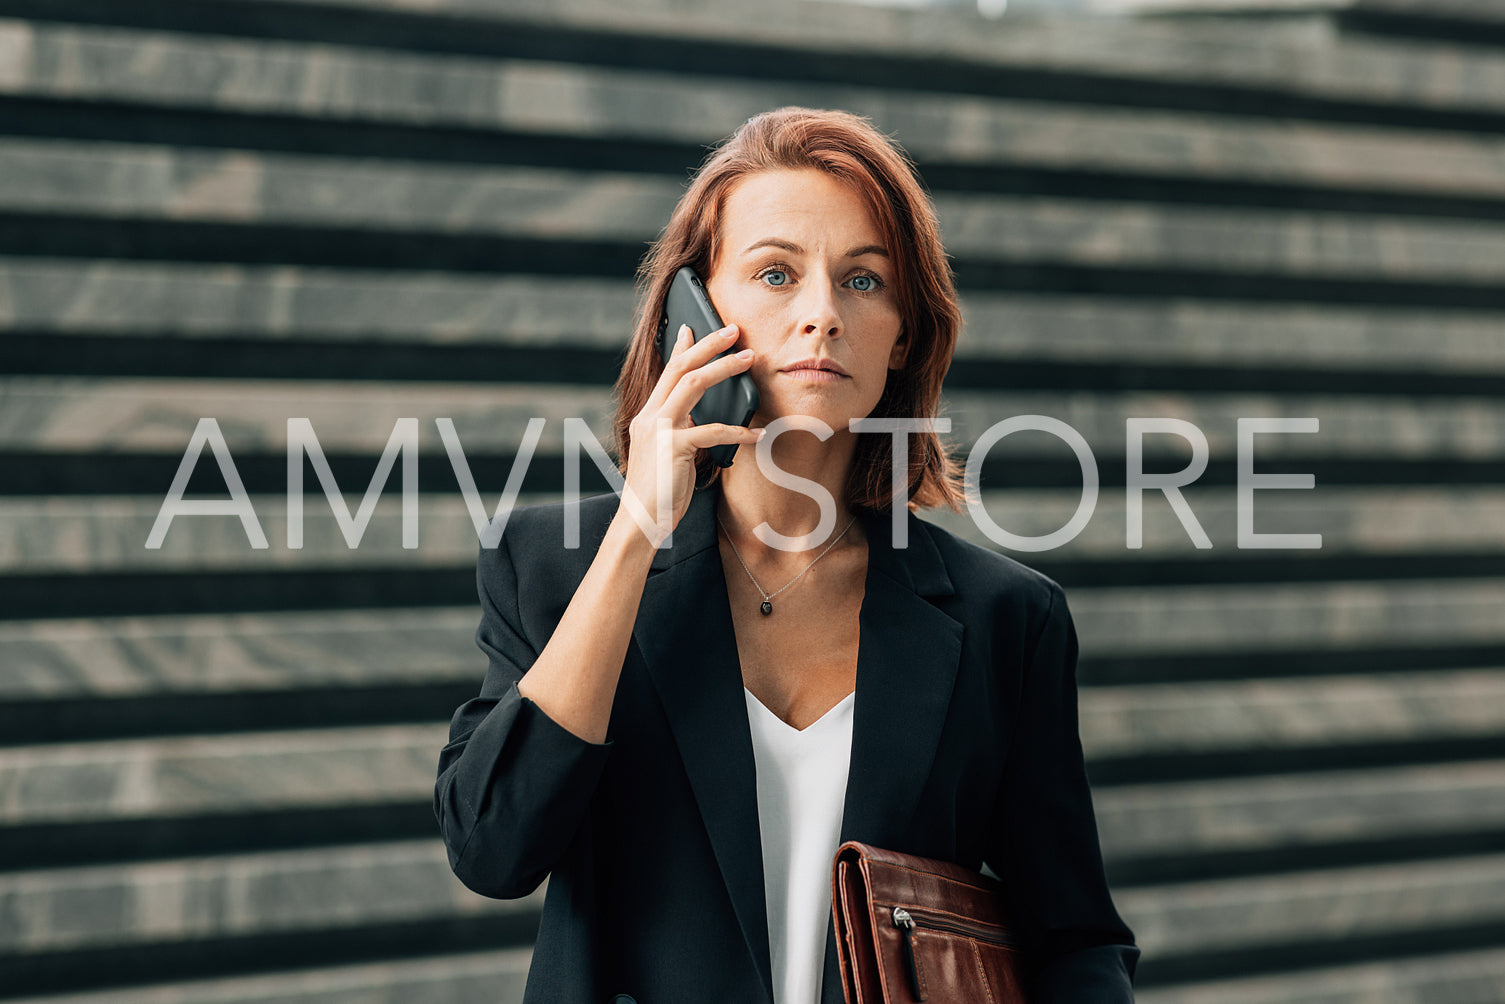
x=732, y=401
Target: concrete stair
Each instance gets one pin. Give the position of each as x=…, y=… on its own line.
x=216, y=761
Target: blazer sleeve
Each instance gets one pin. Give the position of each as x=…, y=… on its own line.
x=514, y=785
x=1044, y=844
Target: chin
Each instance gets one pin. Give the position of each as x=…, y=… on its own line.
x=836, y=418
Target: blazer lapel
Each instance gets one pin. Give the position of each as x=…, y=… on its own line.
x=907, y=663
x=685, y=634
x=906, y=666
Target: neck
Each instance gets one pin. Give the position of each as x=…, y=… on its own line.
x=749, y=498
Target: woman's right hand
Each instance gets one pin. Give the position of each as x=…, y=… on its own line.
x=692, y=369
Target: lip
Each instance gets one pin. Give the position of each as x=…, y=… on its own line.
x=816, y=365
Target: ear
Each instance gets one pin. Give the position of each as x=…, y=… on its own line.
x=900, y=353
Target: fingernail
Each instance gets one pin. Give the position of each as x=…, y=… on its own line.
x=759, y=433
x=745, y=354
x=684, y=333
x=730, y=331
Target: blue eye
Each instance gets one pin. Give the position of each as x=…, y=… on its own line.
x=866, y=283
x=783, y=277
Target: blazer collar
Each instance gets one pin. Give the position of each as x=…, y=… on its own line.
x=907, y=663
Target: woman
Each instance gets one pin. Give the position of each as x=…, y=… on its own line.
x=680, y=736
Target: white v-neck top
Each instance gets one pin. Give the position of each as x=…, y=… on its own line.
x=802, y=783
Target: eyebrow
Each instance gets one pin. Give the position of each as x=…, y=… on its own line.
x=792, y=248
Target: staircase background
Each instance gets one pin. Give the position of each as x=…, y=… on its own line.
x=216, y=761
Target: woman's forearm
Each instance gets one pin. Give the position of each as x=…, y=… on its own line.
x=574, y=679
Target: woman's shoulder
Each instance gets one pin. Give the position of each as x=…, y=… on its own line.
x=558, y=526
x=544, y=547
x=531, y=569
x=988, y=576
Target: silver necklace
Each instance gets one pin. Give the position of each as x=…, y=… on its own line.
x=767, y=605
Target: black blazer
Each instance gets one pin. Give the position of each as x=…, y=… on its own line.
x=964, y=747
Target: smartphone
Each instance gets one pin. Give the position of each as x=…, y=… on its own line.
x=732, y=401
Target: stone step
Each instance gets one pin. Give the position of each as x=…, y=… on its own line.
x=1187, y=919
x=1352, y=521
x=1269, y=243
x=235, y=896
x=208, y=654
x=1414, y=615
x=1453, y=978
x=1395, y=427
x=128, y=657
x=1112, y=330
x=1284, y=812
x=239, y=895
x=1192, y=719
x=116, y=658
x=471, y=978
x=498, y=978
x=187, y=903
x=68, y=534
x=282, y=652
x=100, y=782
x=123, y=415
x=290, y=304
x=1486, y=13
x=109, y=533
x=160, y=182
x=167, y=70
x=63, y=413
x=139, y=181
x=1302, y=57
x=285, y=770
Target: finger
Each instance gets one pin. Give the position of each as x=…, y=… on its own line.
x=704, y=348
x=686, y=357
x=692, y=386
x=660, y=387
x=703, y=437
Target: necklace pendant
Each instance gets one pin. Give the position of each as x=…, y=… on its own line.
x=767, y=608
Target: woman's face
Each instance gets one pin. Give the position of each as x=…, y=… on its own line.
x=803, y=272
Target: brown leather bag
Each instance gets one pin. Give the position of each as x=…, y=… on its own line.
x=913, y=929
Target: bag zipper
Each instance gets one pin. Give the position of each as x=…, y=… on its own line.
x=905, y=921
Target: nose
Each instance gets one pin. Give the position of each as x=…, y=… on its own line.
x=820, y=312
